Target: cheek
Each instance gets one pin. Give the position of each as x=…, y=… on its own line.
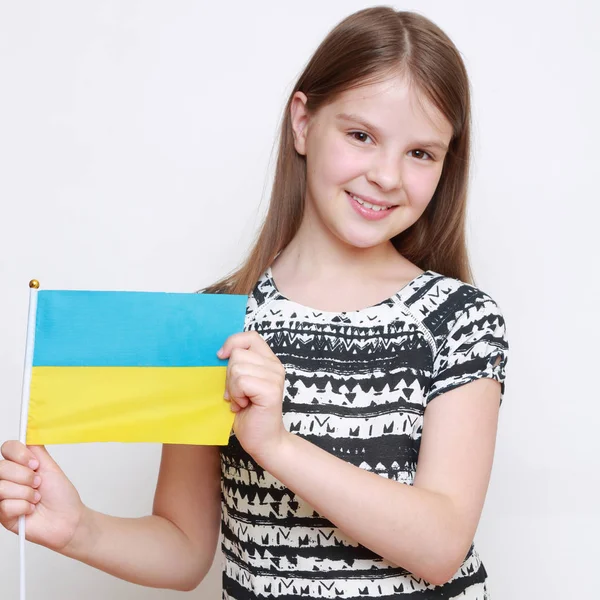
x=337, y=162
x=420, y=183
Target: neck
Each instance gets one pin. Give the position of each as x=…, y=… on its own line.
x=317, y=254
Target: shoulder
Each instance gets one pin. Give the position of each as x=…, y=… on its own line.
x=442, y=304
x=468, y=333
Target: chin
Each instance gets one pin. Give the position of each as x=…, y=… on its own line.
x=365, y=242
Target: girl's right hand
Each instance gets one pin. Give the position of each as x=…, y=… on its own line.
x=32, y=484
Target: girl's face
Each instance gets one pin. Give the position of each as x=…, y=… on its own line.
x=385, y=145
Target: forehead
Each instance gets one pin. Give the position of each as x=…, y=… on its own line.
x=394, y=105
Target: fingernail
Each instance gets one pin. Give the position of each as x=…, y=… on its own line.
x=34, y=464
x=226, y=395
x=37, y=480
x=36, y=497
x=219, y=351
x=234, y=407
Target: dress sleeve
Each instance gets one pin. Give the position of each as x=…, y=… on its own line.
x=476, y=346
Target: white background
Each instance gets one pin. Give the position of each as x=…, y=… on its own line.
x=136, y=152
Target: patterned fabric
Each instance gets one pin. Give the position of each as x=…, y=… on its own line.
x=357, y=385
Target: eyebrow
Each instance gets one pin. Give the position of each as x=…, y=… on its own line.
x=357, y=119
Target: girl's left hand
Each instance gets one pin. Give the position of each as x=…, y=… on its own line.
x=254, y=386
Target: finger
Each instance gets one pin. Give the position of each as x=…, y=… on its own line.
x=233, y=404
x=233, y=392
x=248, y=388
x=240, y=367
x=249, y=340
x=238, y=371
x=12, y=509
x=13, y=491
x=237, y=402
x=11, y=471
x=244, y=355
x=47, y=463
x=19, y=453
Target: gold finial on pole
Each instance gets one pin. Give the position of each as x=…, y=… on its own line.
x=34, y=283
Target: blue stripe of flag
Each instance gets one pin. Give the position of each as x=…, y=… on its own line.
x=134, y=329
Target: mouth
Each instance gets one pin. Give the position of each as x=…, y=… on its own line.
x=370, y=205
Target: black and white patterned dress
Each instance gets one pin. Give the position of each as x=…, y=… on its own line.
x=357, y=385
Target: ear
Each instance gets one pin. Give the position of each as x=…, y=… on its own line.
x=300, y=118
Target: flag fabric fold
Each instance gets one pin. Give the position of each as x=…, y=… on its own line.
x=112, y=366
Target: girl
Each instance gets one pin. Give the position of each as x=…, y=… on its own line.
x=368, y=378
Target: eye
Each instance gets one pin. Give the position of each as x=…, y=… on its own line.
x=422, y=155
x=354, y=135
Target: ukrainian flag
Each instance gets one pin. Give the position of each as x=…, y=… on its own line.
x=110, y=366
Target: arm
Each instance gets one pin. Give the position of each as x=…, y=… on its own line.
x=426, y=528
x=175, y=546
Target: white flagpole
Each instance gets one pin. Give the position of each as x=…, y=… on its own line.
x=33, y=288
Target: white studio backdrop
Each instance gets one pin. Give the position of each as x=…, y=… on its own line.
x=136, y=147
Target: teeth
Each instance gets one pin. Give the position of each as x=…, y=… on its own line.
x=369, y=205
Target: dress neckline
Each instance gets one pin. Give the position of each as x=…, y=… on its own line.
x=397, y=295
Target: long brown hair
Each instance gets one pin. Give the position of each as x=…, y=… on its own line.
x=364, y=48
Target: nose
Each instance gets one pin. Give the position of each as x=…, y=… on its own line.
x=386, y=171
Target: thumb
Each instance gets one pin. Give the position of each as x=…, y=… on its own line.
x=47, y=463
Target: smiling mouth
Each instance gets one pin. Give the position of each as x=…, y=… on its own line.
x=373, y=207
